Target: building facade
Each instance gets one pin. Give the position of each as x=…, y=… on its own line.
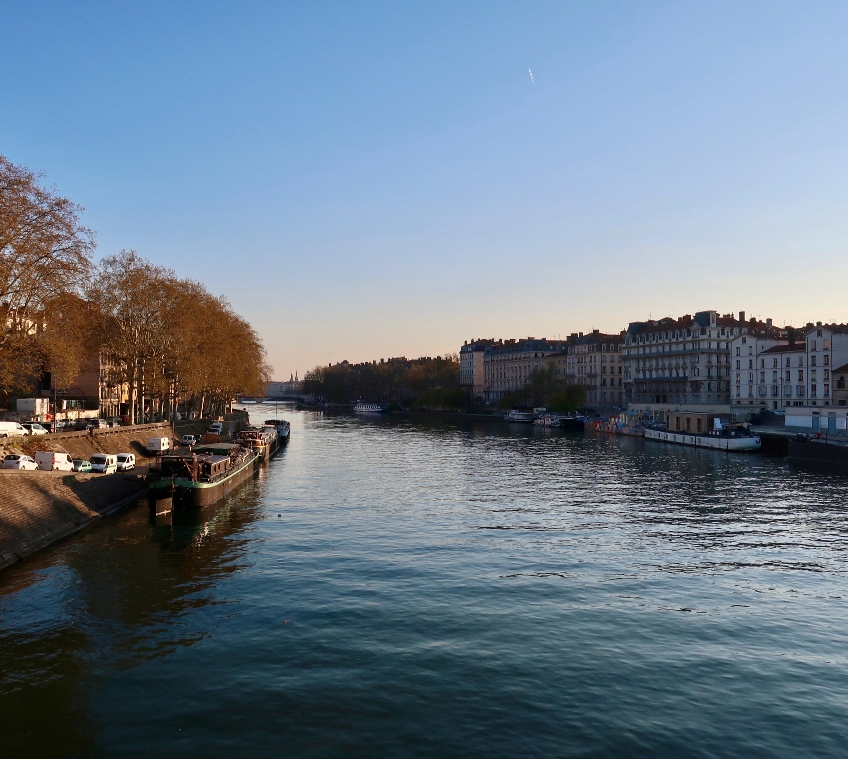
x=507, y=364
x=594, y=361
x=471, y=372
x=757, y=372
x=814, y=404
x=684, y=364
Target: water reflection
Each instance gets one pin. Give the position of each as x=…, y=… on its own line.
x=122, y=593
x=389, y=582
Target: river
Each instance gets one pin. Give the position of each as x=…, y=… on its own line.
x=440, y=587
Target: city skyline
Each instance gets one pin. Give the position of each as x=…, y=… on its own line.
x=384, y=181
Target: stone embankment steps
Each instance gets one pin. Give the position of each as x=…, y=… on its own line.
x=39, y=508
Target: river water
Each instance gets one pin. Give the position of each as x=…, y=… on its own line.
x=392, y=587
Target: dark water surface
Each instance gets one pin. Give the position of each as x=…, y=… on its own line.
x=391, y=587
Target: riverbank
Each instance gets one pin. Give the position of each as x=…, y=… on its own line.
x=40, y=508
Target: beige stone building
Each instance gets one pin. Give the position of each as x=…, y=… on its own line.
x=507, y=364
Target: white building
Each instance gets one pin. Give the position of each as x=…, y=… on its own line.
x=757, y=373
x=811, y=407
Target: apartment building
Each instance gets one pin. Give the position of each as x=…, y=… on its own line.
x=810, y=396
x=471, y=373
x=507, y=364
x=685, y=363
x=594, y=361
x=758, y=365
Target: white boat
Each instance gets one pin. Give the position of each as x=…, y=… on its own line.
x=526, y=417
x=369, y=408
x=730, y=437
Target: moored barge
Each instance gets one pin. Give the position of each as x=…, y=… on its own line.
x=729, y=437
x=283, y=428
x=196, y=478
x=264, y=440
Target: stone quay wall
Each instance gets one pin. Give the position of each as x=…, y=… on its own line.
x=39, y=508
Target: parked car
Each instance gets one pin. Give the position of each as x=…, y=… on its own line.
x=98, y=424
x=50, y=461
x=33, y=428
x=19, y=461
x=105, y=463
x=189, y=440
x=114, y=422
x=216, y=428
x=50, y=426
x=126, y=461
x=81, y=425
x=12, y=429
x=81, y=465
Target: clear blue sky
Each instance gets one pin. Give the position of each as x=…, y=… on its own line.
x=366, y=180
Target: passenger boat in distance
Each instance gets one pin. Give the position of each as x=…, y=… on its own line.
x=264, y=440
x=283, y=428
x=524, y=417
x=370, y=408
x=724, y=437
x=198, y=477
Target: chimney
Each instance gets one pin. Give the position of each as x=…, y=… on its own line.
x=741, y=316
x=768, y=323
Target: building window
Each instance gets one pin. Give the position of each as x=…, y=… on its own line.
x=812, y=391
x=812, y=360
x=827, y=360
x=800, y=375
x=826, y=391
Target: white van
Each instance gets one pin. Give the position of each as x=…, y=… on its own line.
x=158, y=444
x=126, y=461
x=49, y=461
x=106, y=463
x=12, y=429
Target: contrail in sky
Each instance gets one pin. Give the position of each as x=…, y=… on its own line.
x=531, y=76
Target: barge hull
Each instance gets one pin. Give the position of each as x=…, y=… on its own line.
x=735, y=445
x=199, y=495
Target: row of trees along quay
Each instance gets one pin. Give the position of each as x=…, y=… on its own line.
x=432, y=384
x=165, y=339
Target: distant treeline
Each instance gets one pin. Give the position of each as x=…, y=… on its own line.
x=432, y=384
x=427, y=383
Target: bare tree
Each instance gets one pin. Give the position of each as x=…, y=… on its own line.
x=44, y=253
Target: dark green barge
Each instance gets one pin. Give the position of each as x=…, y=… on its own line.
x=198, y=477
